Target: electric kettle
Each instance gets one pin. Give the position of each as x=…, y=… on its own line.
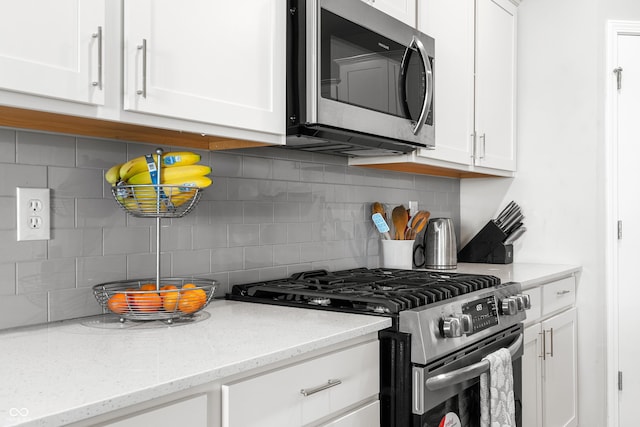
x=440, y=252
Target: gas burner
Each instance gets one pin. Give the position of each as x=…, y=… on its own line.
x=321, y=301
x=362, y=290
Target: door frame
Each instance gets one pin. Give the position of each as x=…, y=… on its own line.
x=614, y=29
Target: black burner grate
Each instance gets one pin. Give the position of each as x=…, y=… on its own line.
x=364, y=290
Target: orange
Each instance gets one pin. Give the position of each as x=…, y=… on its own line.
x=191, y=301
x=166, y=288
x=147, y=302
x=170, y=301
x=118, y=303
x=148, y=287
x=188, y=286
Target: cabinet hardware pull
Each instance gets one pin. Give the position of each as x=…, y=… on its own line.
x=484, y=148
x=551, y=335
x=544, y=346
x=143, y=48
x=98, y=35
x=473, y=146
x=309, y=391
x=564, y=292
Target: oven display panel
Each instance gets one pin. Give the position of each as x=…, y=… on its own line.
x=483, y=312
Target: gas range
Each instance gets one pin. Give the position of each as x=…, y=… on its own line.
x=439, y=319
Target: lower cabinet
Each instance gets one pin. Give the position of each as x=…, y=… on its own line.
x=549, y=362
x=336, y=389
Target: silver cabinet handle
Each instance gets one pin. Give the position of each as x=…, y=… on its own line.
x=468, y=372
x=143, y=47
x=551, y=340
x=309, y=391
x=483, y=139
x=564, y=292
x=98, y=35
x=544, y=346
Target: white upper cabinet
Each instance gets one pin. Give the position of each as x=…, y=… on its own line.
x=495, y=84
x=475, y=78
x=209, y=61
x=54, y=48
x=403, y=10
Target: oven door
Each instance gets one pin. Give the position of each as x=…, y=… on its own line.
x=447, y=391
x=369, y=72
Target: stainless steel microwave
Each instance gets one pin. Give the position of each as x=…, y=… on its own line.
x=359, y=82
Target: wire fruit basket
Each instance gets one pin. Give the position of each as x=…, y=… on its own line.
x=165, y=299
x=153, y=201
x=141, y=299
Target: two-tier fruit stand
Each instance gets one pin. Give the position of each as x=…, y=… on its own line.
x=165, y=299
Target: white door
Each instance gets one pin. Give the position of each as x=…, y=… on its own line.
x=215, y=62
x=53, y=48
x=628, y=147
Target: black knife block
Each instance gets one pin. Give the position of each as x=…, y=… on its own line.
x=487, y=247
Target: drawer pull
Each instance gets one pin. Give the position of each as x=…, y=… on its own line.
x=309, y=391
x=564, y=292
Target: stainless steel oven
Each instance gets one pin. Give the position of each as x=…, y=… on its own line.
x=444, y=324
x=359, y=81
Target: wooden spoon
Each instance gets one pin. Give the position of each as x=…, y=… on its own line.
x=377, y=207
x=416, y=224
x=400, y=218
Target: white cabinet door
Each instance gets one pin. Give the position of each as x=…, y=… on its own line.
x=495, y=84
x=402, y=10
x=209, y=61
x=53, y=48
x=532, y=377
x=560, y=380
x=451, y=24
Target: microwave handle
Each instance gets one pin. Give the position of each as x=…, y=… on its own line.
x=417, y=45
x=468, y=372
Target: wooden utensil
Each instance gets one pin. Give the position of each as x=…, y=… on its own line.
x=377, y=207
x=416, y=224
x=400, y=218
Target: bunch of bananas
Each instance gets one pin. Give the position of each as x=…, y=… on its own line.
x=180, y=177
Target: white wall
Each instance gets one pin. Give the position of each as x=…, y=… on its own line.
x=560, y=181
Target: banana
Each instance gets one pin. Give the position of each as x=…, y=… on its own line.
x=170, y=159
x=113, y=174
x=173, y=175
x=145, y=198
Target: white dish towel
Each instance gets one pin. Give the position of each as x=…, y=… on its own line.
x=497, y=404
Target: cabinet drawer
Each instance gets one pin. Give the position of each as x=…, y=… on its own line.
x=535, y=312
x=278, y=398
x=558, y=295
x=366, y=416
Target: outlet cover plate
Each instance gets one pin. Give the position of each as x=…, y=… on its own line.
x=33, y=213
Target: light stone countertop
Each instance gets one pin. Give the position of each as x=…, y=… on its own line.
x=528, y=274
x=63, y=372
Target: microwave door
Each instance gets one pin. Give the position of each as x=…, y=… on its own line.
x=416, y=102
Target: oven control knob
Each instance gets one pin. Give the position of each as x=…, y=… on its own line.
x=509, y=306
x=526, y=301
x=457, y=325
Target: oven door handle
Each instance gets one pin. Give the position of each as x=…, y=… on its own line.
x=468, y=372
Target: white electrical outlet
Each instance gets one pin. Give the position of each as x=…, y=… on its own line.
x=413, y=207
x=33, y=213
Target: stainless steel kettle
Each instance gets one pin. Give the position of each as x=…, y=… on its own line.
x=440, y=252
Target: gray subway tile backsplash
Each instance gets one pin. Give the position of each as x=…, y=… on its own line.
x=270, y=213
